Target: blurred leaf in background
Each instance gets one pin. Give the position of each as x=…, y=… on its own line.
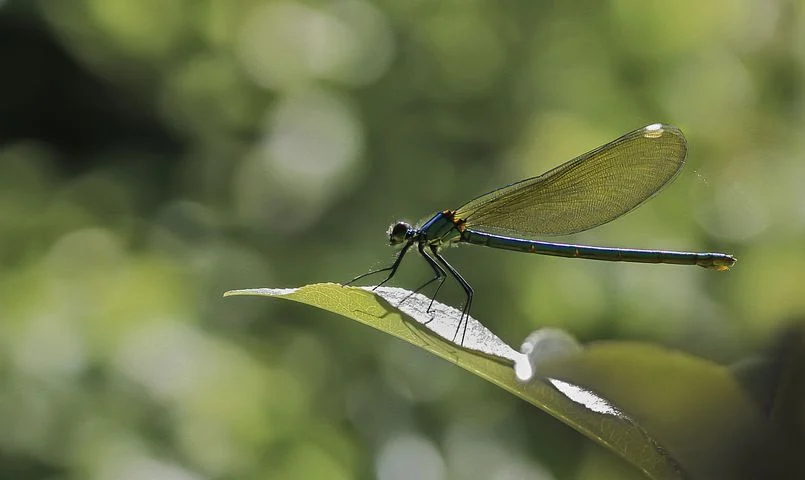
x=155, y=154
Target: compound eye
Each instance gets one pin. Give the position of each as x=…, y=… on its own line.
x=398, y=233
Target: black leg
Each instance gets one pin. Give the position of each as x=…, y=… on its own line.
x=465, y=310
x=442, y=274
x=393, y=268
x=439, y=274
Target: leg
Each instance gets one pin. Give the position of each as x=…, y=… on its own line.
x=439, y=274
x=441, y=271
x=393, y=268
x=465, y=310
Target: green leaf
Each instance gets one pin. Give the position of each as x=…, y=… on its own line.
x=776, y=380
x=669, y=414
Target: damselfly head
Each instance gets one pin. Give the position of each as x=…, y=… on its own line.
x=399, y=232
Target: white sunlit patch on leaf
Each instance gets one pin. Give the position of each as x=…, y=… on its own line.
x=523, y=370
x=585, y=397
x=443, y=320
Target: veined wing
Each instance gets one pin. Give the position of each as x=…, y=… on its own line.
x=592, y=189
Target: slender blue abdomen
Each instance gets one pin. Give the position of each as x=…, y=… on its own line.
x=716, y=261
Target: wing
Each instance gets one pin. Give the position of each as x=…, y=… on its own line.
x=592, y=189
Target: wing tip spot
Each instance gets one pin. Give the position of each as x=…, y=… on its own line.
x=655, y=130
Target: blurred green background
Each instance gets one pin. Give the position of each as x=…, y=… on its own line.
x=154, y=154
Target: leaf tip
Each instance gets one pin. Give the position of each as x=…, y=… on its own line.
x=235, y=293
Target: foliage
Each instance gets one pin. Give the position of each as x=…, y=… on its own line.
x=155, y=154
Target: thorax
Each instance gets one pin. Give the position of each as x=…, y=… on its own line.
x=442, y=229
